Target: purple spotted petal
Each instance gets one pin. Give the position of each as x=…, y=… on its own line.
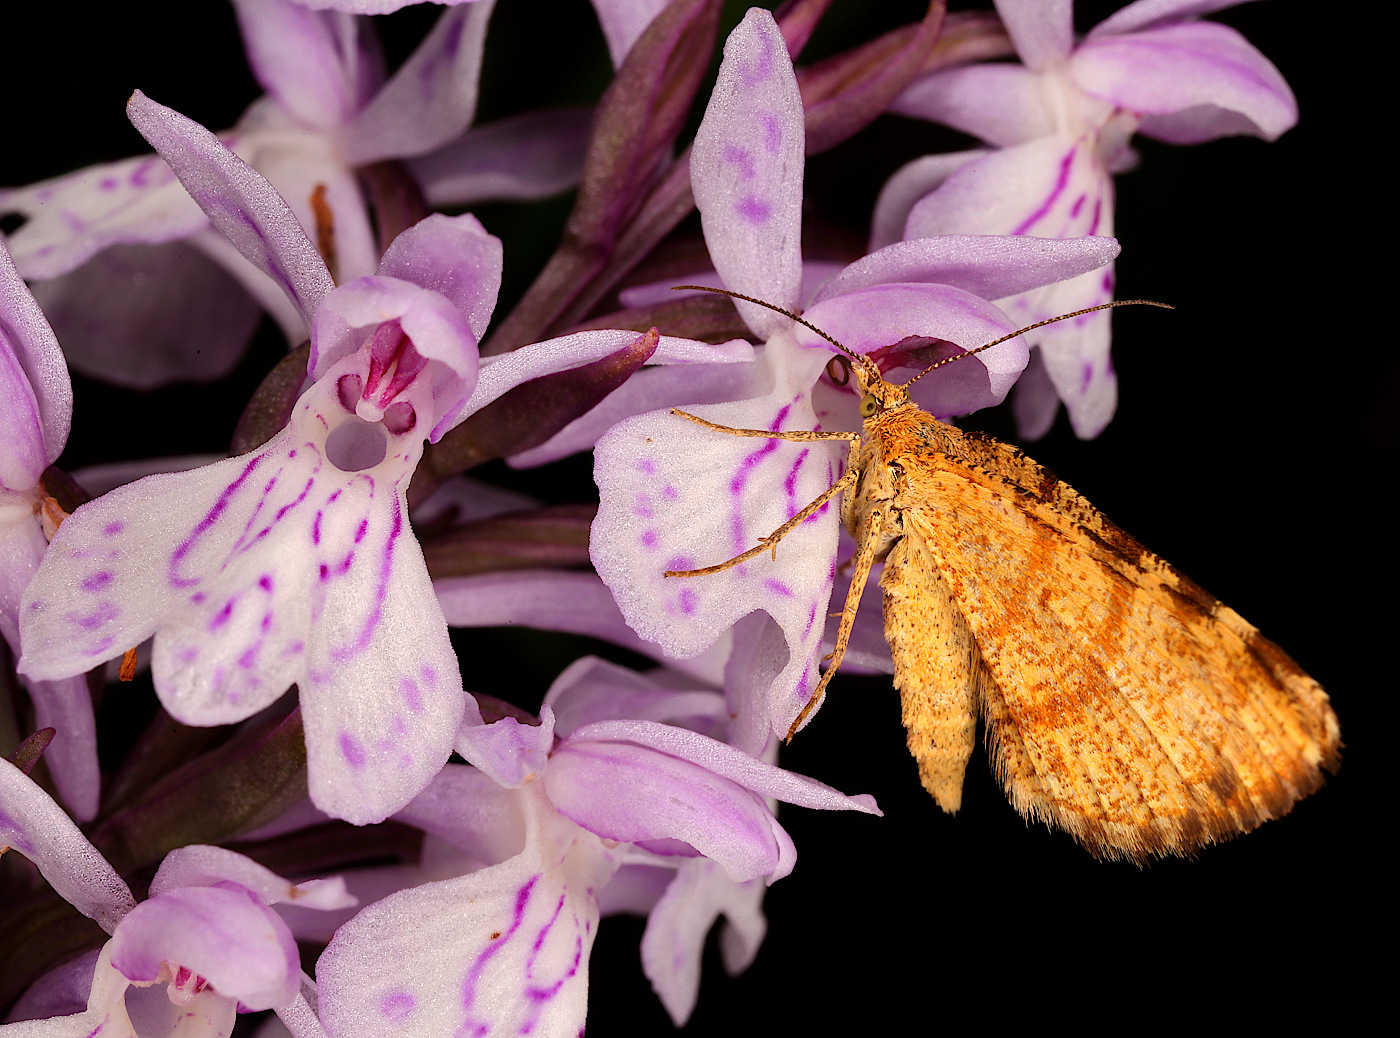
x=431, y=99
x=307, y=61
x=556, y=600
x=260, y=571
x=1001, y=104
x=222, y=933
x=677, y=496
x=200, y=865
x=1042, y=30
x=453, y=256
x=532, y=155
x=72, y=217
x=1194, y=81
x=883, y=315
x=32, y=824
x=500, y=951
x=990, y=266
x=33, y=384
x=746, y=171
x=674, y=941
x=239, y=202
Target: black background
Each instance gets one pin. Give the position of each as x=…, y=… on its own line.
x=1255, y=435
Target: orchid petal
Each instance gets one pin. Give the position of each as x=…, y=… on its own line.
x=553, y=600
x=1172, y=70
x=62, y=991
x=200, y=865
x=909, y=184
x=34, y=825
x=510, y=752
x=300, y=59
x=33, y=383
x=71, y=218
x=65, y=706
x=431, y=99
x=1145, y=13
x=746, y=171
x=1001, y=104
x=474, y=813
x=591, y=689
x=453, y=256
x=222, y=933
x=623, y=21
x=521, y=158
x=239, y=202
x=1041, y=30
x=990, y=266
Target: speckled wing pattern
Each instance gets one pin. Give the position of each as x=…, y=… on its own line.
x=1122, y=702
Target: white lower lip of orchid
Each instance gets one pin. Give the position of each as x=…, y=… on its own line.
x=356, y=445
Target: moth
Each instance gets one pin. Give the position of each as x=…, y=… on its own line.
x=1121, y=702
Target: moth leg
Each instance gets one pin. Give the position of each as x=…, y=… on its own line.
x=771, y=541
x=863, y=561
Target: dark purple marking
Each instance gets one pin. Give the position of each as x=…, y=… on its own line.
x=762, y=67
x=352, y=750
x=429, y=676
x=1098, y=213
x=188, y=654
x=361, y=530
x=97, y=581
x=646, y=465
x=790, y=483
x=222, y=616
x=101, y=646
x=811, y=619
x=108, y=183
x=105, y=613
x=689, y=600
x=1108, y=281
x=112, y=529
x=740, y=158
x=680, y=562
x=325, y=573
x=265, y=582
x=1078, y=205
x=753, y=209
x=473, y=977
x=198, y=598
x=778, y=587
x=641, y=506
x=396, y=1006
x=316, y=527
x=772, y=132
x=282, y=512
x=205, y=524
x=266, y=624
x=669, y=492
x=649, y=538
x=335, y=496
x=1086, y=378
x=381, y=593
x=411, y=695
x=1060, y=182
x=249, y=657
x=296, y=648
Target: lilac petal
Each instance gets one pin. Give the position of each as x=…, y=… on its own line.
x=1042, y=30
x=140, y=316
x=1034, y=402
x=63, y=991
x=33, y=383
x=66, y=706
x=500, y=951
x=746, y=171
x=301, y=59
x=909, y=184
x=223, y=934
x=267, y=293
x=71, y=218
x=990, y=266
x=1174, y=69
x=726, y=761
x=1001, y=104
x=554, y=600
x=510, y=752
x=883, y=315
x=676, y=496
x=431, y=99
x=200, y=865
x=239, y=202
x=521, y=158
x=623, y=21
x=631, y=793
x=370, y=6
x=1054, y=187
x=674, y=941
x=590, y=689
x=453, y=256
x=1144, y=13
x=473, y=813
x=31, y=823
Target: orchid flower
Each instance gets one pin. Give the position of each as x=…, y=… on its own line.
x=557, y=812
x=38, y=406
x=1060, y=124
x=295, y=563
x=123, y=239
x=675, y=496
x=206, y=935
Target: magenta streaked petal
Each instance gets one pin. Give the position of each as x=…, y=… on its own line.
x=300, y=58
x=222, y=933
x=1173, y=69
x=1042, y=30
x=453, y=256
x=239, y=202
x=431, y=98
x=746, y=171
x=32, y=824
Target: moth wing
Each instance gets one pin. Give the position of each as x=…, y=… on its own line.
x=1126, y=705
x=937, y=668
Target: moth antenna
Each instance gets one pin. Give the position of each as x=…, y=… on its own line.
x=865, y=362
x=1032, y=327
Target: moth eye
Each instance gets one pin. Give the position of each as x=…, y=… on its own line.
x=868, y=405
